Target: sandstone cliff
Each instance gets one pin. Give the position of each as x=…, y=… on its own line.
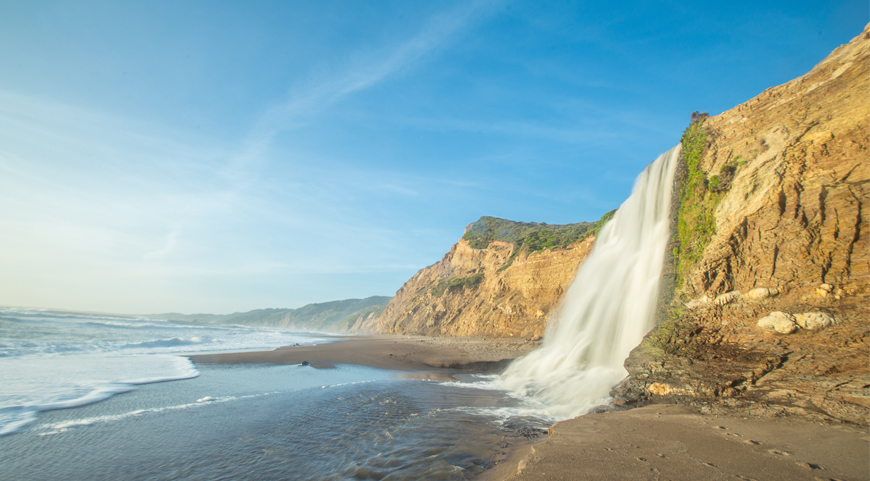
x=502, y=279
x=354, y=323
x=773, y=218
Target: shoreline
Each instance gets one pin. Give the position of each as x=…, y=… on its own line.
x=393, y=352
x=659, y=441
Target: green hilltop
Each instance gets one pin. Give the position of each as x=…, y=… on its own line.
x=530, y=237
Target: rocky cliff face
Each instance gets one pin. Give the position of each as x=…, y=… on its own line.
x=353, y=324
x=493, y=290
x=785, y=184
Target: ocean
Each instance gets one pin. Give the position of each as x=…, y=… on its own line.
x=100, y=397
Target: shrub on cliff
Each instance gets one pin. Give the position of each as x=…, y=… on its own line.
x=456, y=283
x=529, y=237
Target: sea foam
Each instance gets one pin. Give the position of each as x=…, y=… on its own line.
x=51, y=360
x=41, y=383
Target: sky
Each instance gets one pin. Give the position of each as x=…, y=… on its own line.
x=218, y=156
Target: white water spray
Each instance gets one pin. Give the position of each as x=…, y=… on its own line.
x=608, y=308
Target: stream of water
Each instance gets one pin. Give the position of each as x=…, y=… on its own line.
x=608, y=308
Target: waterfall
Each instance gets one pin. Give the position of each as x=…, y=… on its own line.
x=608, y=308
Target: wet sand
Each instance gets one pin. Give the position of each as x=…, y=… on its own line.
x=401, y=353
x=673, y=442
x=658, y=442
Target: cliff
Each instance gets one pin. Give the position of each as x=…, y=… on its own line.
x=502, y=279
x=353, y=323
x=770, y=311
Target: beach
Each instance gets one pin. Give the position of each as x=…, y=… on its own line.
x=348, y=407
x=398, y=353
x=652, y=442
x=675, y=442
x=92, y=397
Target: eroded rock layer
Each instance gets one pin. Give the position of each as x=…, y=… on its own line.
x=787, y=174
x=794, y=212
x=483, y=292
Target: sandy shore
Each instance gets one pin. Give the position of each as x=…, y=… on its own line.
x=672, y=442
x=402, y=353
x=659, y=442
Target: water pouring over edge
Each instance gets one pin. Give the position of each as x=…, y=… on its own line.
x=608, y=308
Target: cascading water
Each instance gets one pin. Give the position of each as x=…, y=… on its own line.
x=608, y=308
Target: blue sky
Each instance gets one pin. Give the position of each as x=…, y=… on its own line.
x=216, y=156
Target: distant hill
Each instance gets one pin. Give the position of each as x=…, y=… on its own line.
x=324, y=316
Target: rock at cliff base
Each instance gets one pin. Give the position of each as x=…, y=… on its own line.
x=727, y=298
x=780, y=322
x=659, y=389
x=813, y=320
x=762, y=293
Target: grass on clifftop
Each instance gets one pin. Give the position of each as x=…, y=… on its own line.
x=529, y=236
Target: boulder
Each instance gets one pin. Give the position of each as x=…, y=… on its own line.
x=727, y=298
x=761, y=293
x=780, y=322
x=813, y=320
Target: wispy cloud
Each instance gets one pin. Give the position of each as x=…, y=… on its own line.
x=365, y=72
x=319, y=92
x=130, y=207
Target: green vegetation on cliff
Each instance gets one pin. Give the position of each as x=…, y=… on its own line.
x=533, y=236
x=456, y=283
x=699, y=198
x=530, y=237
x=596, y=227
x=697, y=223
